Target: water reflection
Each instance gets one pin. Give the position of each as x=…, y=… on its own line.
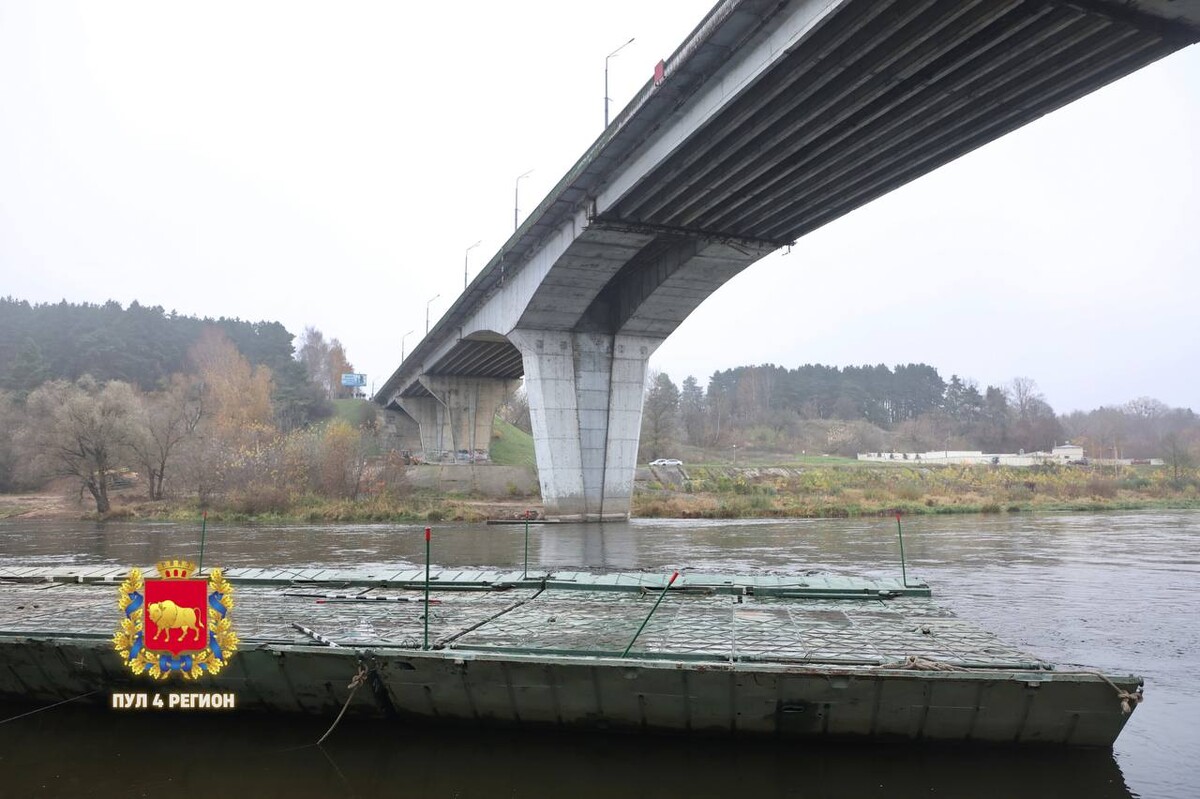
x=149, y=755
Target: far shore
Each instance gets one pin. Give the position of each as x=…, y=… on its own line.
x=825, y=490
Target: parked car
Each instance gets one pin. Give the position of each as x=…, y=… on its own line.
x=666, y=462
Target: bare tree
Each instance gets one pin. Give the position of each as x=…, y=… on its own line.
x=164, y=421
x=10, y=422
x=1179, y=450
x=660, y=416
x=720, y=408
x=81, y=430
x=314, y=354
x=1146, y=408
x=1022, y=394
x=515, y=410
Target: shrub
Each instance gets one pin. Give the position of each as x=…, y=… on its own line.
x=260, y=498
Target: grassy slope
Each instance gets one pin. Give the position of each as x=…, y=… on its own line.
x=353, y=411
x=511, y=446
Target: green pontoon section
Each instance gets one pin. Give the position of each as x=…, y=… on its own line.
x=777, y=655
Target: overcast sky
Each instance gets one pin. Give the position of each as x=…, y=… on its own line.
x=329, y=164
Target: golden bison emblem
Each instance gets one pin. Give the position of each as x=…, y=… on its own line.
x=168, y=616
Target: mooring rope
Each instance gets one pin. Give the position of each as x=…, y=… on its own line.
x=359, y=678
x=47, y=707
x=1129, y=699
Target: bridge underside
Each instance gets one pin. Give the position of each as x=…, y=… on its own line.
x=880, y=94
x=773, y=119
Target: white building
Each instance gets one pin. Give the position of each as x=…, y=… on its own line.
x=1063, y=454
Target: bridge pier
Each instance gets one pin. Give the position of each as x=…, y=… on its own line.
x=459, y=414
x=399, y=430
x=430, y=416
x=585, y=394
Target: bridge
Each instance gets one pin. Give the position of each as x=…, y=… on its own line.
x=772, y=119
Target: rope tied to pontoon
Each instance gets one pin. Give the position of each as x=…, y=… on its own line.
x=47, y=707
x=359, y=678
x=1129, y=699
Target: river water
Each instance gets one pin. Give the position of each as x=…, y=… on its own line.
x=1116, y=591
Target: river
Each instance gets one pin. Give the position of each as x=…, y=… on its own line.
x=1119, y=591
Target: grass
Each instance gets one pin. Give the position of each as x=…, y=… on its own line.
x=413, y=507
x=511, y=446
x=832, y=489
x=353, y=411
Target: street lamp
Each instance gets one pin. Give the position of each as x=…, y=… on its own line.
x=406, y=335
x=610, y=55
x=516, y=188
x=465, y=254
x=431, y=299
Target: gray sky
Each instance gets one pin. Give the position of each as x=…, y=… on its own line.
x=328, y=164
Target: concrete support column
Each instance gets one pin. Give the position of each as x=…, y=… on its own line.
x=432, y=421
x=398, y=430
x=585, y=394
x=469, y=407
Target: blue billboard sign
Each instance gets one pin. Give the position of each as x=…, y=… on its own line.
x=354, y=380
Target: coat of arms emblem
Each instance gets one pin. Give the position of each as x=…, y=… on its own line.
x=175, y=623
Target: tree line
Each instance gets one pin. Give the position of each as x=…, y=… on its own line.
x=200, y=406
x=906, y=408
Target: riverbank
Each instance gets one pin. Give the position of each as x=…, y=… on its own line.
x=412, y=508
x=835, y=490
x=856, y=489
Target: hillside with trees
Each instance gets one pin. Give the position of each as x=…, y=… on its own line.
x=210, y=408
x=142, y=346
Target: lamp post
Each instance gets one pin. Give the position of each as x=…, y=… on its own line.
x=516, y=195
x=465, y=254
x=431, y=299
x=610, y=55
x=406, y=335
